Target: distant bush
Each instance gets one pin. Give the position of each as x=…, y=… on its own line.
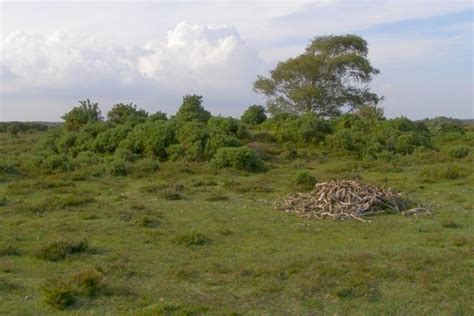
x=459, y=152
x=126, y=113
x=192, y=110
x=239, y=158
x=157, y=116
x=304, y=180
x=22, y=127
x=81, y=115
x=59, y=250
x=254, y=115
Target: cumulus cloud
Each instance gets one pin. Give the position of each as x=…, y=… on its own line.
x=192, y=59
x=201, y=55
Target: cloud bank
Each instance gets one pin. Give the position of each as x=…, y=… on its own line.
x=192, y=59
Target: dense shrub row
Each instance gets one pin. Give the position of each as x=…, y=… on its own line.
x=131, y=137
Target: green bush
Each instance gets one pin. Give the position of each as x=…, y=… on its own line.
x=81, y=115
x=254, y=115
x=109, y=140
x=126, y=113
x=239, y=158
x=59, y=250
x=459, y=152
x=116, y=167
x=304, y=180
x=192, y=110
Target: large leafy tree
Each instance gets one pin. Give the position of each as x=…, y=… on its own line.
x=331, y=76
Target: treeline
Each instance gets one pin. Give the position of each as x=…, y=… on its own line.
x=22, y=127
x=130, y=137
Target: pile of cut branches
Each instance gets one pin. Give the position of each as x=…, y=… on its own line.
x=342, y=200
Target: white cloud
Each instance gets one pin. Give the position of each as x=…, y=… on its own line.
x=206, y=59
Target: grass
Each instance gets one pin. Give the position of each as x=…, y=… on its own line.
x=223, y=250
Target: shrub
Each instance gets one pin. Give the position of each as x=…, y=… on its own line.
x=304, y=180
x=52, y=162
x=291, y=151
x=193, y=239
x=58, y=295
x=171, y=195
x=304, y=130
x=87, y=282
x=109, y=140
x=61, y=293
x=145, y=167
x=157, y=116
x=9, y=250
x=123, y=113
x=239, y=158
x=59, y=250
x=81, y=115
x=117, y=167
x=192, y=110
x=459, y=152
x=254, y=115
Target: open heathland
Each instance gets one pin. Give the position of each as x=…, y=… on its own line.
x=182, y=222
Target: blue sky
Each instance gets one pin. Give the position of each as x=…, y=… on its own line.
x=152, y=53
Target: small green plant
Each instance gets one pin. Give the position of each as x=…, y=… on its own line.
x=217, y=197
x=59, y=250
x=450, y=224
x=304, y=180
x=9, y=250
x=148, y=222
x=171, y=195
x=459, y=152
x=193, y=239
x=87, y=282
x=59, y=294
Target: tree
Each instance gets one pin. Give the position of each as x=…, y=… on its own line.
x=331, y=75
x=120, y=113
x=81, y=115
x=192, y=109
x=255, y=114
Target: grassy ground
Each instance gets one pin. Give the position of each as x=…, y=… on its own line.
x=189, y=240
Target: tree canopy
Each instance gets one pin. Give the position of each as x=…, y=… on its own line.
x=332, y=75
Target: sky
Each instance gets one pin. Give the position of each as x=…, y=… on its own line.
x=53, y=54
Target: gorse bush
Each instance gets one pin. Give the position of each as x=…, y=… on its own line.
x=254, y=115
x=459, y=152
x=304, y=180
x=239, y=158
x=129, y=135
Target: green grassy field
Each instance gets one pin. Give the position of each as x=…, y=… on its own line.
x=186, y=239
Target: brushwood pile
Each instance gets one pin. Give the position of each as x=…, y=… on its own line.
x=343, y=200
